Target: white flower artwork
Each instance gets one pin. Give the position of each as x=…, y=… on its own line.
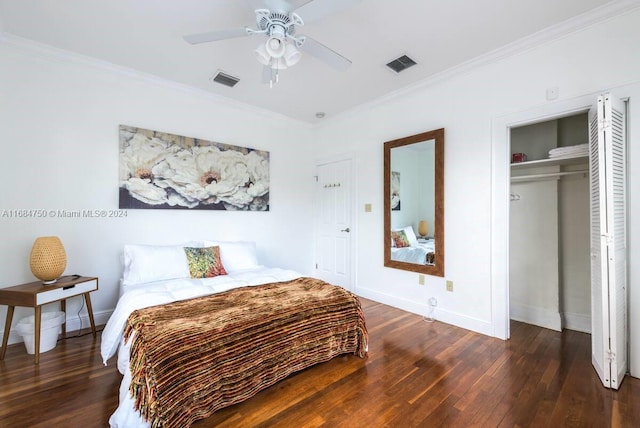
x=160, y=170
x=395, y=191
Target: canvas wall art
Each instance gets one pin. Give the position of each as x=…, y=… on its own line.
x=161, y=170
x=395, y=191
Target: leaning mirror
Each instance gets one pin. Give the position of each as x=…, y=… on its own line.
x=414, y=203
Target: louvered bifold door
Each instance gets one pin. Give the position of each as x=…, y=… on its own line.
x=608, y=239
x=599, y=305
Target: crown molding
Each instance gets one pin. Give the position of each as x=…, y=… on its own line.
x=549, y=34
x=62, y=56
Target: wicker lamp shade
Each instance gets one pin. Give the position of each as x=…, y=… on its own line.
x=48, y=259
x=423, y=228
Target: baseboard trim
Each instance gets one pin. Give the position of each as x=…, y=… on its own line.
x=73, y=322
x=577, y=322
x=420, y=308
x=536, y=316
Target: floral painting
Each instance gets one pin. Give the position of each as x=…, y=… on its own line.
x=395, y=191
x=160, y=170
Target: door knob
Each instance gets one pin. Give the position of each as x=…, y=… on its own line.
x=346, y=230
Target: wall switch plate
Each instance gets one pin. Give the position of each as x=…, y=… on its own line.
x=552, y=93
x=367, y=208
x=421, y=279
x=449, y=285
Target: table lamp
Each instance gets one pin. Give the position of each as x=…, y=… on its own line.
x=48, y=259
x=423, y=228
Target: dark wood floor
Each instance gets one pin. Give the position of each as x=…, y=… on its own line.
x=418, y=374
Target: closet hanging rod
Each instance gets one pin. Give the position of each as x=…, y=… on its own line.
x=534, y=177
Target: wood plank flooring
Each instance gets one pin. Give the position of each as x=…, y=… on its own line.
x=418, y=374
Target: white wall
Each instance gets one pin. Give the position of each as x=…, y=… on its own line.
x=575, y=252
x=59, y=116
x=575, y=239
x=468, y=106
x=533, y=254
x=533, y=232
x=535, y=140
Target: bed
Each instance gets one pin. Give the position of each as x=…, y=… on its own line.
x=187, y=347
x=406, y=247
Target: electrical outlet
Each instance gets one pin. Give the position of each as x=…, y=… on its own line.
x=433, y=302
x=449, y=285
x=421, y=279
x=367, y=208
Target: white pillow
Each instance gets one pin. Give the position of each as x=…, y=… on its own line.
x=148, y=263
x=411, y=236
x=236, y=255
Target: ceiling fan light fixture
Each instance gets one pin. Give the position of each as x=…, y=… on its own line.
x=262, y=55
x=291, y=55
x=275, y=46
x=279, y=64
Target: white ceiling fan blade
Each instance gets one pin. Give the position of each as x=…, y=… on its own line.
x=325, y=54
x=212, y=36
x=318, y=9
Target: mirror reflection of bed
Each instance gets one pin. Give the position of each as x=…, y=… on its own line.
x=413, y=249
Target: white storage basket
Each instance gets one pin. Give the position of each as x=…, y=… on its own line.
x=49, y=328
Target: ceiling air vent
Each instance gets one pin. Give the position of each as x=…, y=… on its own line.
x=400, y=64
x=225, y=79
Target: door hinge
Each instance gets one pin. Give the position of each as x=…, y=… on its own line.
x=608, y=237
x=316, y=265
x=610, y=356
x=604, y=125
x=316, y=177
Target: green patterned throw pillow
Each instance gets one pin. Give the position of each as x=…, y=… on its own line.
x=204, y=262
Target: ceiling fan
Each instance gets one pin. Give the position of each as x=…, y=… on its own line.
x=278, y=21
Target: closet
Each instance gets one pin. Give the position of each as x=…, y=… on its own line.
x=568, y=229
x=549, y=246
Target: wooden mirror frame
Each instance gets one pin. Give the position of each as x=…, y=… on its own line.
x=437, y=269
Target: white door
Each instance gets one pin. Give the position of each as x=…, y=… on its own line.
x=333, y=223
x=608, y=239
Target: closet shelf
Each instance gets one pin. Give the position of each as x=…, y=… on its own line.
x=572, y=160
x=551, y=175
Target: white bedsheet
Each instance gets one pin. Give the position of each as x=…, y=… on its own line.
x=416, y=253
x=158, y=293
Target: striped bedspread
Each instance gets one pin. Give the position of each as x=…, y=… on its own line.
x=193, y=357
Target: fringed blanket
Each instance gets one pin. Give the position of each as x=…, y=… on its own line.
x=191, y=358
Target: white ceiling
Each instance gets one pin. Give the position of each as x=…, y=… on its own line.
x=146, y=35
